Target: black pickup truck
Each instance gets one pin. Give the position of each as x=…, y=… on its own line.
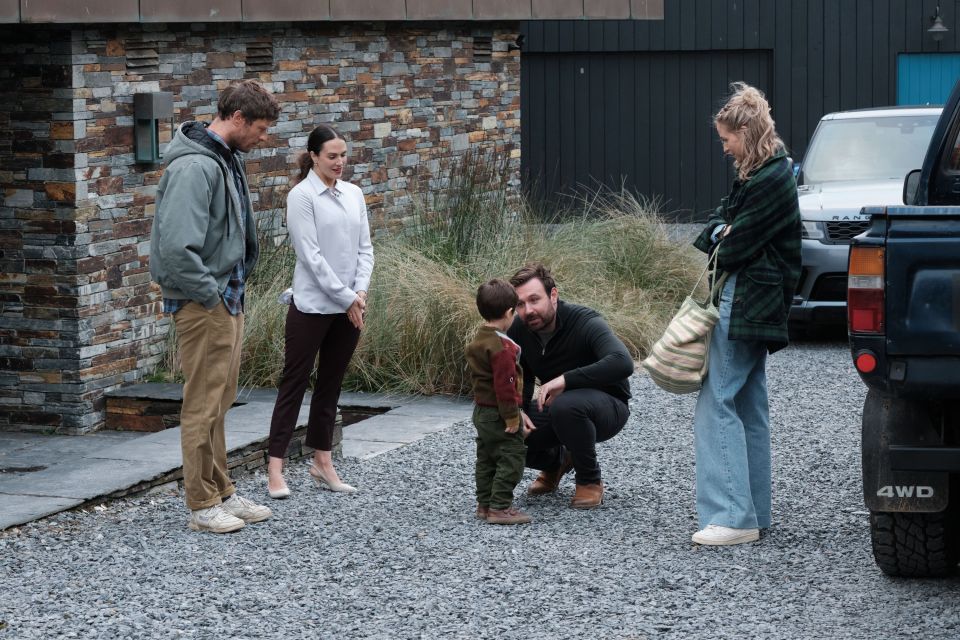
x=903, y=308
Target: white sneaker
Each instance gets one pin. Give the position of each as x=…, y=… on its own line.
x=716, y=535
x=246, y=510
x=215, y=520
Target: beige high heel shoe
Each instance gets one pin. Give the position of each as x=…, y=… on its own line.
x=278, y=494
x=324, y=483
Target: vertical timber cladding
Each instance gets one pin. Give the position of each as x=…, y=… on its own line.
x=635, y=119
x=821, y=56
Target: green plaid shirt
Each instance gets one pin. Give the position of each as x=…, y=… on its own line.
x=763, y=247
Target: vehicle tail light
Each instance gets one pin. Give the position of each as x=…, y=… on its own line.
x=865, y=362
x=865, y=295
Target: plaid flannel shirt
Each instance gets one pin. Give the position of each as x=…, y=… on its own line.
x=232, y=296
x=763, y=248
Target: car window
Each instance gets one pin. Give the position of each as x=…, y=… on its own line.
x=876, y=148
x=954, y=163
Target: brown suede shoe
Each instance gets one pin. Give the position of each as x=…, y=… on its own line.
x=482, y=512
x=510, y=515
x=587, y=496
x=548, y=481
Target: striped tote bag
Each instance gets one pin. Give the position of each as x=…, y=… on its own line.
x=678, y=360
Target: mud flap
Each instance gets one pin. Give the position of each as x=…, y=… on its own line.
x=898, y=421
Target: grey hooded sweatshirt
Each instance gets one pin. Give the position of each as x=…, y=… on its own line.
x=202, y=226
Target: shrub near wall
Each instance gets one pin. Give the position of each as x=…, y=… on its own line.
x=612, y=254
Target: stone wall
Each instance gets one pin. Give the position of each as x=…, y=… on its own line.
x=78, y=313
x=40, y=335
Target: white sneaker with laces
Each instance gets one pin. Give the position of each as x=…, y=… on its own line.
x=246, y=510
x=215, y=520
x=716, y=535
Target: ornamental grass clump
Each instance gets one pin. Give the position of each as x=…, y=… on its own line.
x=609, y=251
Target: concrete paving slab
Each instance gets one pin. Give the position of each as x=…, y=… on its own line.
x=438, y=401
x=257, y=395
x=366, y=449
x=256, y=417
x=252, y=417
x=150, y=391
x=167, y=437
x=82, y=468
x=139, y=450
x=19, y=509
x=442, y=411
x=10, y=439
x=46, y=451
x=241, y=439
x=394, y=428
x=27, y=457
x=82, y=478
x=373, y=400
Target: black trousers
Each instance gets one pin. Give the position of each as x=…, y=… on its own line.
x=575, y=421
x=334, y=339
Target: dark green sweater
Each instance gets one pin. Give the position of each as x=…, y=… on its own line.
x=583, y=349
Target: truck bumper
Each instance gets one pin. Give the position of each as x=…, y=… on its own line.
x=904, y=458
x=899, y=431
x=930, y=377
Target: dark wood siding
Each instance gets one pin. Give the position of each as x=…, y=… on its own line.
x=636, y=119
x=631, y=102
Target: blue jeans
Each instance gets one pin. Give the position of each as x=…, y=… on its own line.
x=732, y=430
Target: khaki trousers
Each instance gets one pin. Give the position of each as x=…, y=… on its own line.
x=209, y=344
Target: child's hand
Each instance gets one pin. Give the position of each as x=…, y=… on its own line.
x=513, y=429
x=528, y=427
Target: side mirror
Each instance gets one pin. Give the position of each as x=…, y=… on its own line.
x=910, y=187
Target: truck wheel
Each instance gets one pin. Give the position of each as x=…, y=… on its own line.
x=915, y=545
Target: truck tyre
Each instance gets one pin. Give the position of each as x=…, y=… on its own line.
x=915, y=545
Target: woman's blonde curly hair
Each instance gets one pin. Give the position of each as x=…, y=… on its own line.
x=747, y=112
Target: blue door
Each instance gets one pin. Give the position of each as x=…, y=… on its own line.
x=926, y=78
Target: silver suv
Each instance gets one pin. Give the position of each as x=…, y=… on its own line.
x=855, y=159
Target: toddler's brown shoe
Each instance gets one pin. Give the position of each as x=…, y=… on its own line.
x=482, y=512
x=509, y=515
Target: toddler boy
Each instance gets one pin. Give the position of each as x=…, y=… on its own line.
x=497, y=380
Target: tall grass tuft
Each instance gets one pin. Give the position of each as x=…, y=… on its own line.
x=609, y=252
x=265, y=317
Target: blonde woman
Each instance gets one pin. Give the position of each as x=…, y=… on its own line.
x=756, y=232
x=328, y=227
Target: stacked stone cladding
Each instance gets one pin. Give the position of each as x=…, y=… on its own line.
x=78, y=313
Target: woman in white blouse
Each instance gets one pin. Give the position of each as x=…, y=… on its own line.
x=327, y=223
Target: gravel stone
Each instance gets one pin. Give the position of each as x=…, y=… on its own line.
x=404, y=558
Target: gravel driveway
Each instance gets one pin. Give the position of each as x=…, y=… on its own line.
x=405, y=558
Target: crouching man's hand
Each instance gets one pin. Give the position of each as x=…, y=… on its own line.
x=549, y=391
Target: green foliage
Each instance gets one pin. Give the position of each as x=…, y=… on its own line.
x=610, y=252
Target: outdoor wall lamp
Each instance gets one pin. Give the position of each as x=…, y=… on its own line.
x=937, y=30
x=148, y=110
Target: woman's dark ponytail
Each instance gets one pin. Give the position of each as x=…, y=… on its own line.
x=304, y=164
